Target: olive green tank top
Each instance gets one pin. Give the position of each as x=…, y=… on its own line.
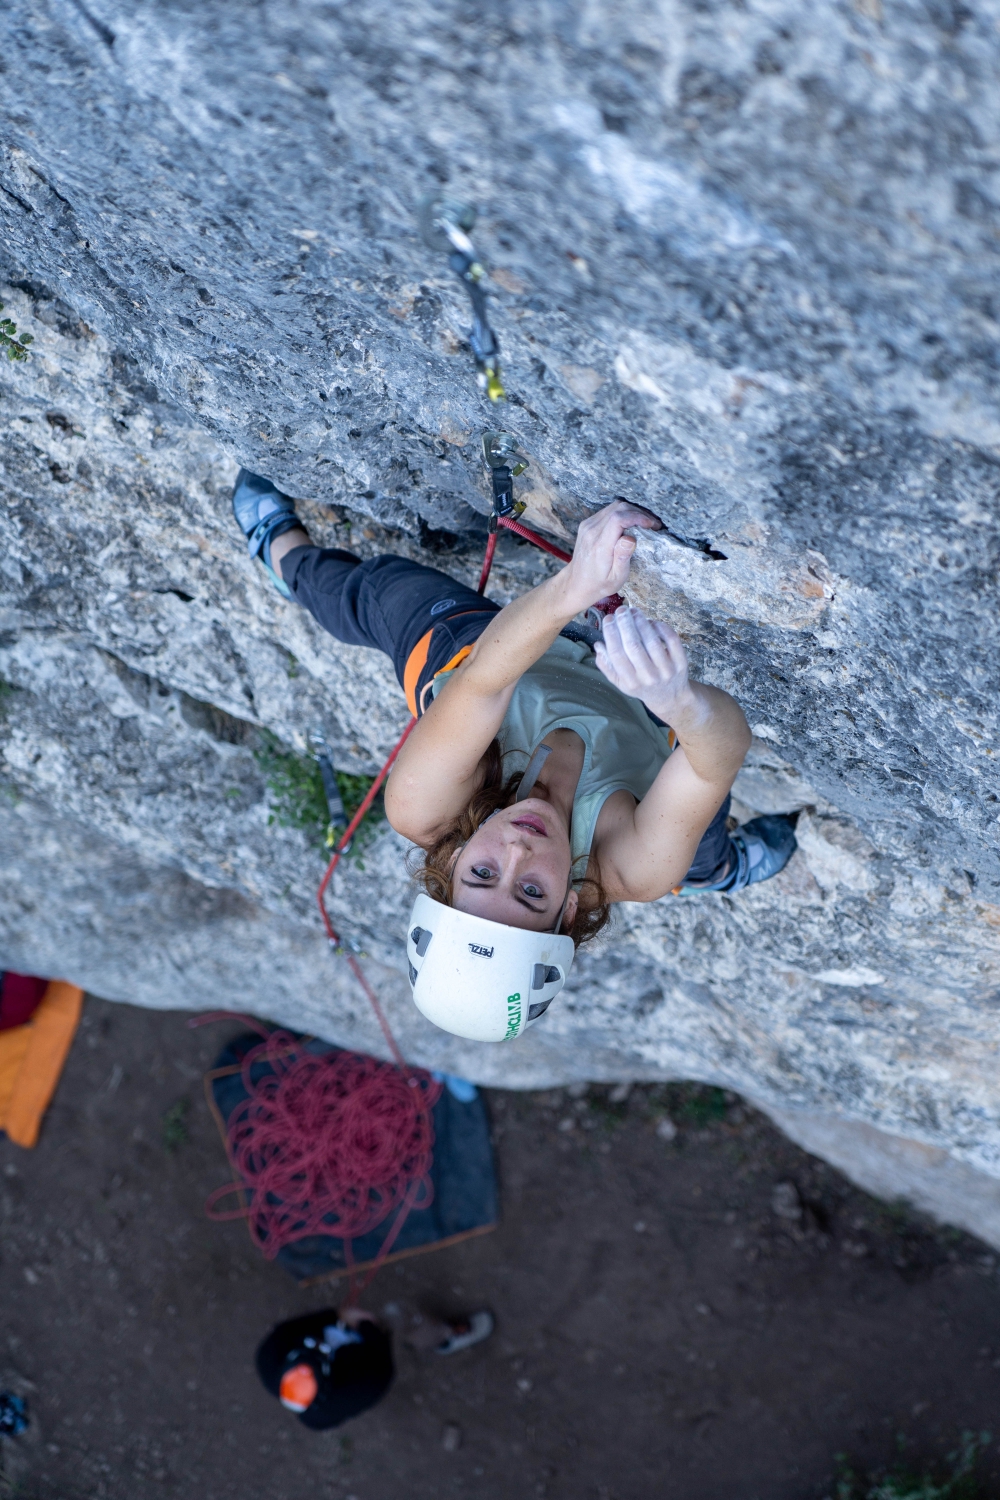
x=623, y=748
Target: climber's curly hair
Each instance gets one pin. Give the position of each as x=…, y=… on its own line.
x=435, y=872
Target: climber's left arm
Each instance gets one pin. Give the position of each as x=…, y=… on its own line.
x=644, y=849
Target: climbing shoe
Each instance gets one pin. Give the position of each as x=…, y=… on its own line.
x=263, y=513
x=760, y=848
x=763, y=847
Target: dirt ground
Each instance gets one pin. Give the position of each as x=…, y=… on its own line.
x=662, y=1331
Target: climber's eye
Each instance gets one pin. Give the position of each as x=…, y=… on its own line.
x=482, y=872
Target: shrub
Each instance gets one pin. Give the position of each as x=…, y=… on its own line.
x=958, y=1481
x=15, y=344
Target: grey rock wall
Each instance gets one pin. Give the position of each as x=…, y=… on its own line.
x=743, y=269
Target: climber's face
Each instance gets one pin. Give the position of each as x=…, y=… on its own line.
x=515, y=868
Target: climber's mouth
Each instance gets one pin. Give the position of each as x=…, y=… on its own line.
x=531, y=823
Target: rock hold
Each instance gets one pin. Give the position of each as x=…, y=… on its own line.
x=209, y=228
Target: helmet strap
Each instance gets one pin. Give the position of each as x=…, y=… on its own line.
x=532, y=771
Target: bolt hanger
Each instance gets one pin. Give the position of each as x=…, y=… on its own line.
x=503, y=462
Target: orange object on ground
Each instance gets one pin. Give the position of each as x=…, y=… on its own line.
x=299, y=1387
x=32, y=1057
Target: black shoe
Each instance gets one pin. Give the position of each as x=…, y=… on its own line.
x=465, y=1332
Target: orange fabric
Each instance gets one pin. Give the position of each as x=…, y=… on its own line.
x=43, y=1044
x=415, y=663
x=450, y=666
x=459, y=656
x=13, y=1049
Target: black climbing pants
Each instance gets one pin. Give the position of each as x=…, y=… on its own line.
x=419, y=617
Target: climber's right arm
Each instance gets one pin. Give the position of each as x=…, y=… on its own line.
x=439, y=768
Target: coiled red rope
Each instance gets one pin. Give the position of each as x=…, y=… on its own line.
x=328, y=1143
x=334, y=1143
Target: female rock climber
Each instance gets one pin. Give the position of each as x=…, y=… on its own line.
x=541, y=781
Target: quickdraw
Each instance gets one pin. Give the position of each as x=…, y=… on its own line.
x=504, y=464
x=331, y=791
x=445, y=225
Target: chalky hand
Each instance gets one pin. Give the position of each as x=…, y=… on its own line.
x=645, y=659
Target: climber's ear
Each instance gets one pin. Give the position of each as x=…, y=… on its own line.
x=569, y=911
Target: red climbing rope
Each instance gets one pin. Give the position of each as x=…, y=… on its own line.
x=491, y=547
x=331, y=933
x=603, y=606
x=529, y=536
x=334, y=1143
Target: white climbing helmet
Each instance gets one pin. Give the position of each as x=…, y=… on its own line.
x=478, y=979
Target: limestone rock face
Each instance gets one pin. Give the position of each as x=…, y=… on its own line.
x=743, y=267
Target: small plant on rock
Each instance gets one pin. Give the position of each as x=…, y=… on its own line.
x=16, y=344
x=297, y=798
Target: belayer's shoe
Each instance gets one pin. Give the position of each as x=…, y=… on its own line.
x=761, y=848
x=464, y=1332
x=263, y=513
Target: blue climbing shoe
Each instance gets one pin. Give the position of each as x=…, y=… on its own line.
x=760, y=849
x=763, y=847
x=263, y=513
